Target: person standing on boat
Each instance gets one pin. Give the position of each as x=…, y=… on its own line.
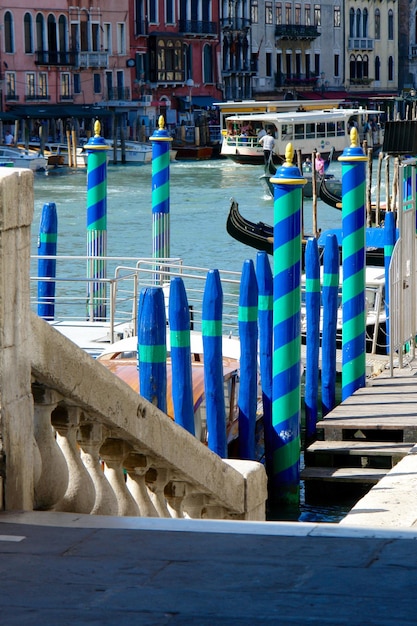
x=319, y=164
x=8, y=138
x=268, y=143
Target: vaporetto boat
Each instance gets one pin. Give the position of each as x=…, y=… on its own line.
x=306, y=130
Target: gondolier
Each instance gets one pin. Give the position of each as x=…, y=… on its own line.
x=267, y=142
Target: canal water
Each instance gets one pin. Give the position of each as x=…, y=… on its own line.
x=200, y=197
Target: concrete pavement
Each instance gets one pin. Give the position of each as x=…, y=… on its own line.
x=65, y=569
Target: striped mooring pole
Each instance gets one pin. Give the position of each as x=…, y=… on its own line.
x=331, y=267
x=96, y=148
x=47, y=244
x=390, y=238
x=284, y=484
x=160, y=192
x=313, y=296
x=353, y=162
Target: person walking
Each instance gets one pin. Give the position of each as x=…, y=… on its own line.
x=268, y=143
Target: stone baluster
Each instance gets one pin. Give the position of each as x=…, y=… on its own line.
x=195, y=505
x=136, y=466
x=113, y=452
x=91, y=437
x=175, y=492
x=156, y=480
x=52, y=479
x=80, y=494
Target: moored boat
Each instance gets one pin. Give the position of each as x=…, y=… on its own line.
x=27, y=159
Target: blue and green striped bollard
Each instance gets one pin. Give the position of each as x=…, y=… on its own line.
x=312, y=312
x=353, y=162
x=331, y=267
x=284, y=484
x=96, y=224
x=161, y=141
x=47, y=245
x=390, y=237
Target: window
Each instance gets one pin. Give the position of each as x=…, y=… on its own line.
x=317, y=15
x=43, y=85
x=208, y=64
x=268, y=13
x=377, y=24
x=317, y=64
x=153, y=11
x=365, y=66
x=390, y=68
x=308, y=66
x=352, y=66
x=28, y=33
x=62, y=37
x=254, y=11
x=358, y=23
x=351, y=23
x=65, y=85
x=307, y=15
x=365, y=23
x=390, y=26
x=377, y=69
x=268, y=64
x=30, y=85
x=336, y=69
x=288, y=8
x=169, y=60
x=297, y=14
x=298, y=64
x=97, y=83
x=107, y=37
x=169, y=11
x=278, y=13
x=10, y=85
x=288, y=64
x=95, y=37
x=8, y=32
x=121, y=40
x=40, y=33
x=77, y=83
x=336, y=17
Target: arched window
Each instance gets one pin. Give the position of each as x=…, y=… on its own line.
x=365, y=23
x=40, y=33
x=62, y=33
x=377, y=68
x=359, y=68
x=365, y=66
x=390, y=68
x=390, y=24
x=352, y=67
x=377, y=24
x=351, y=23
x=358, y=23
x=27, y=21
x=208, y=64
x=8, y=32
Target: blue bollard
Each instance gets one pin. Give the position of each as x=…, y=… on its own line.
x=213, y=363
x=248, y=334
x=312, y=304
x=265, y=319
x=152, y=350
x=390, y=237
x=47, y=245
x=330, y=307
x=179, y=330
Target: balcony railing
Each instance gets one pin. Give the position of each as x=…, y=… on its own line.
x=235, y=23
x=361, y=81
x=197, y=27
x=296, y=31
x=66, y=96
x=35, y=97
x=54, y=57
x=12, y=97
x=141, y=27
x=358, y=43
x=93, y=59
x=118, y=93
x=295, y=80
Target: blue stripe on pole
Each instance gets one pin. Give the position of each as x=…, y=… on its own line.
x=331, y=268
x=47, y=245
x=390, y=236
x=312, y=312
x=213, y=363
x=151, y=344
x=248, y=334
x=182, y=384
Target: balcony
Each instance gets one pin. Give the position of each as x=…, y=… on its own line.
x=358, y=43
x=235, y=23
x=118, y=93
x=53, y=57
x=93, y=59
x=296, y=32
x=37, y=97
x=295, y=80
x=365, y=81
x=12, y=97
x=197, y=27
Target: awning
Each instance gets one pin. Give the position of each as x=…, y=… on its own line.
x=49, y=111
x=7, y=117
x=203, y=101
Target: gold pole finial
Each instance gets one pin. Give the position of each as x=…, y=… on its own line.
x=289, y=154
x=161, y=122
x=354, y=137
x=97, y=128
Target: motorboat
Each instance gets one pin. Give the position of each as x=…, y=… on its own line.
x=28, y=159
x=135, y=152
x=308, y=131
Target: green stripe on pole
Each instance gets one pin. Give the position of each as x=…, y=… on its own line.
x=330, y=280
x=48, y=237
x=286, y=256
x=152, y=354
x=286, y=354
x=180, y=338
x=265, y=303
x=211, y=328
x=286, y=405
x=282, y=307
x=284, y=458
x=248, y=313
x=313, y=284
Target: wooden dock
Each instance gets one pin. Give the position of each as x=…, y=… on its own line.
x=360, y=441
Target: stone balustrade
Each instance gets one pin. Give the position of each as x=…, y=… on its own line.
x=75, y=438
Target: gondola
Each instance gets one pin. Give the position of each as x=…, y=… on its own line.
x=260, y=236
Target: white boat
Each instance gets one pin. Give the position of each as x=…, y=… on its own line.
x=28, y=159
x=306, y=130
x=135, y=152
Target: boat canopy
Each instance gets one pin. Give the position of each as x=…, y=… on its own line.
x=293, y=117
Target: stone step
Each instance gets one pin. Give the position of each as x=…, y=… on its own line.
x=351, y=475
x=360, y=448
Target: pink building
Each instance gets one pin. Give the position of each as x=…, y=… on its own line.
x=73, y=54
